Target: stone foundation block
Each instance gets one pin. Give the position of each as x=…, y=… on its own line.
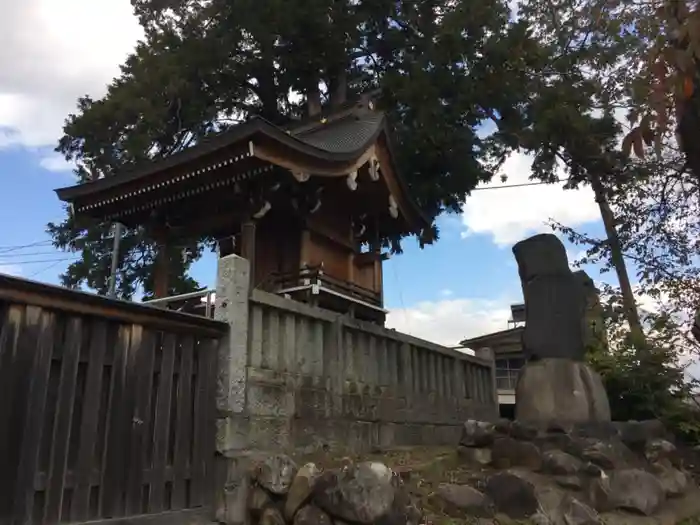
x=560, y=390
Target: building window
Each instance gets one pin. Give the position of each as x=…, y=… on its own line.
x=507, y=372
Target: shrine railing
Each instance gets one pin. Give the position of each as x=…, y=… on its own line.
x=200, y=302
x=306, y=278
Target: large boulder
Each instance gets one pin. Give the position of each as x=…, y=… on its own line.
x=272, y=516
x=560, y=390
x=359, y=493
x=462, y=498
x=310, y=515
x=404, y=511
x=607, y=454
x=636, y=434
x=477, y=433
x=512, y=494
x=674, y=482
x=659, y=450
x=301, y=488
x=478, y=457
x=559, y=508
x=633, y=490
x=508, y=452
x=258, y=500
x=275, y=473
x=559, y=463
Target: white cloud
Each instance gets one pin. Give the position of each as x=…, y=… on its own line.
x=11, y=269
x=510, y=214
x=50, y=54
x=574, y=256
x=450, y=321
x=55, y=163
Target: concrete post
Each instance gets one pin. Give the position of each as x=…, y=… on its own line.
x=232, y=303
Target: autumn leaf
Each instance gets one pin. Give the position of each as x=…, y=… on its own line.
x=688, y=86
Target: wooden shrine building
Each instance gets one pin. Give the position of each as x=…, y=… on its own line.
x=307, y=205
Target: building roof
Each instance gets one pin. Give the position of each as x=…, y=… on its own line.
x=343, y=140
x=494, y=338
x=332, y=144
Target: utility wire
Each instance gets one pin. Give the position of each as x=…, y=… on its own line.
x=5, y=249
x=518, y=185
x=45, y=268
x=35, y=262
x=30, y=254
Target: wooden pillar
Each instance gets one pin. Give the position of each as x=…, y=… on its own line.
x=351, y=267
x=304, y=252
x=248, y=246
x=161, y=277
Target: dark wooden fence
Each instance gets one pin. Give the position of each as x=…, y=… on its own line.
x=107, y=408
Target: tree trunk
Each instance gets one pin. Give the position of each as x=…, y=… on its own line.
x=266, y=76
x=618, y=261
x=313, y=99
x=338, y=87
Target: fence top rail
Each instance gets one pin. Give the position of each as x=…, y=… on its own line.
x=23, y=291
x=387, y=333
x=280, y=303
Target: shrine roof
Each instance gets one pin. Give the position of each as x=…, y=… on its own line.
x=328, y=147
x=349, y=134
x=341, y=139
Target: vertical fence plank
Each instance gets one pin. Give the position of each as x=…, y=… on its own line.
x=88, y=430
x=32, y=434
x=118, y=429
x=209, y=423
x=205, y=379
x=94, y=429
x=142, y=371
x=161, y=430
x=183, y=418
x=64, y=418
x=11, y=326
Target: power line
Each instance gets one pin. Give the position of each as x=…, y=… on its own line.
x=517, y=185
x=52, y=265
x=29, y=254
x=22, y=246
x=35, y=262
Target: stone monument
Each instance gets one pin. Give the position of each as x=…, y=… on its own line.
x=555, y=384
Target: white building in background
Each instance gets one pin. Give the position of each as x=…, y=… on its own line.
x=506, y=346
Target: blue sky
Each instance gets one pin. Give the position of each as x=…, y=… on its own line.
x=460, y=287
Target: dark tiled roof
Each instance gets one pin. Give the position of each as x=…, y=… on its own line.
x=341, y=136
x=340, y=139
x=345, y=135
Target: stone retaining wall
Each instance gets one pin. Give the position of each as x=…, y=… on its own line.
x=297, y=376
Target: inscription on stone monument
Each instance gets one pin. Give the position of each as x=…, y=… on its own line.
x=554, y=308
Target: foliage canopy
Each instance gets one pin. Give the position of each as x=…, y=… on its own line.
x=443, y=68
